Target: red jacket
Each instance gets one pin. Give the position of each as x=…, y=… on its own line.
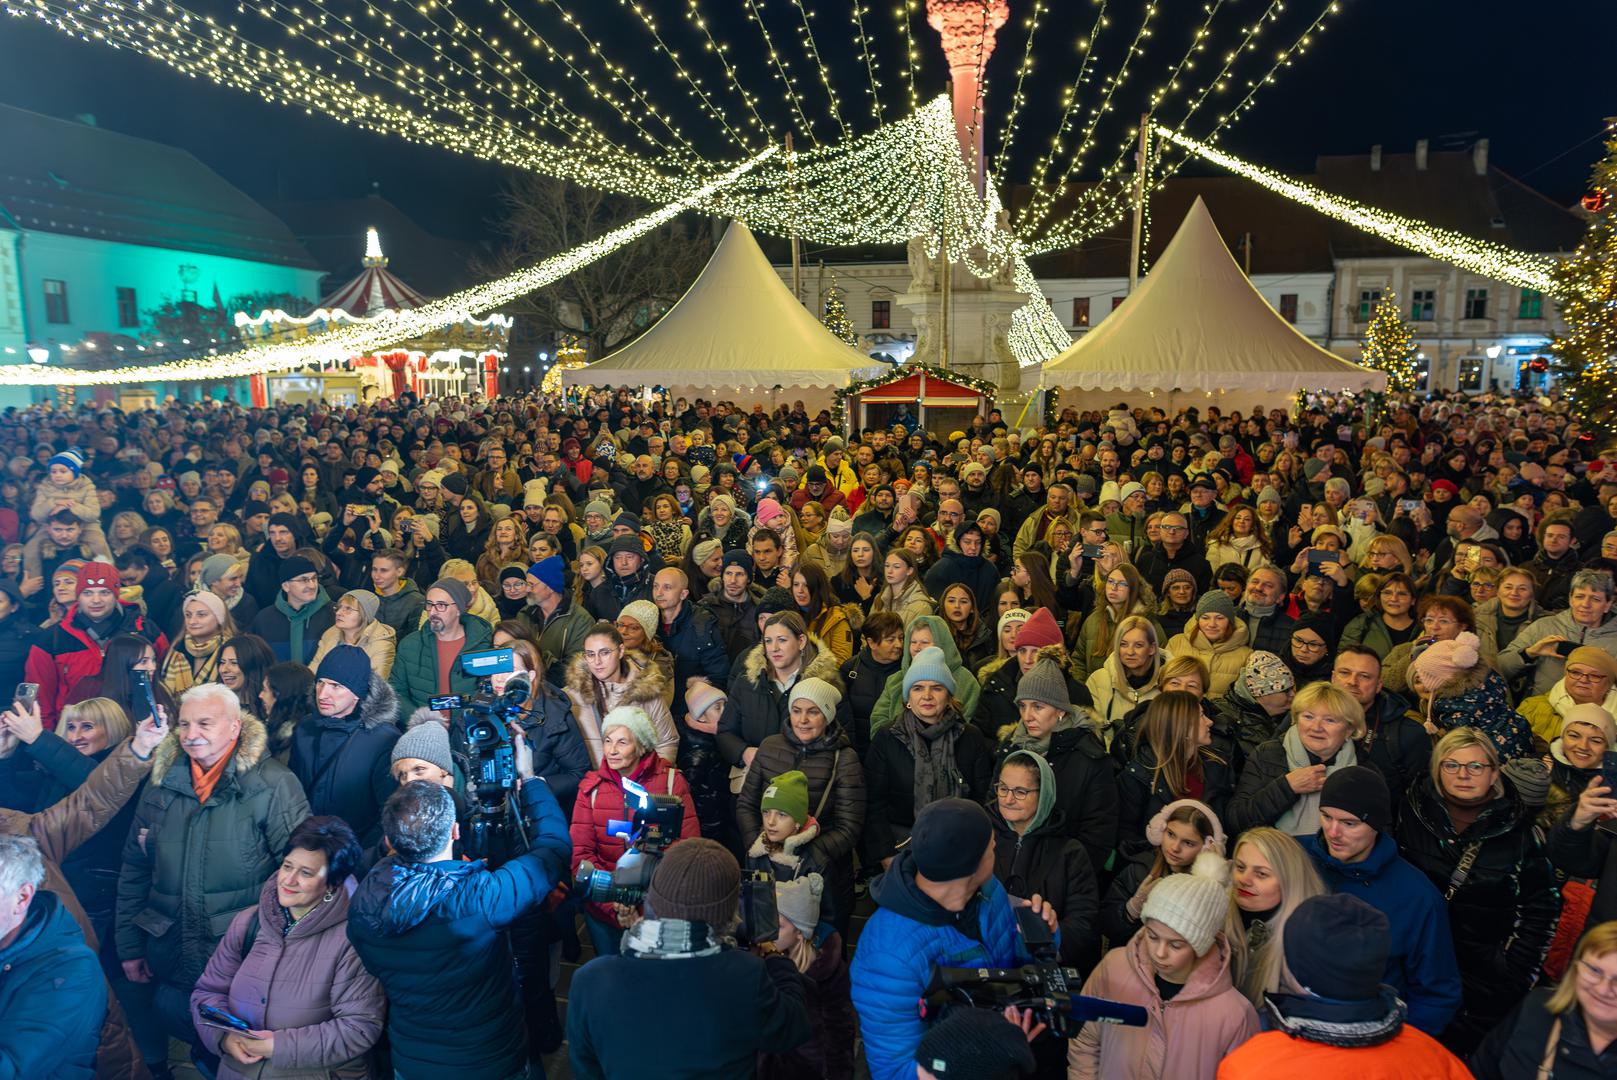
x=64, y=655
x=600, y=801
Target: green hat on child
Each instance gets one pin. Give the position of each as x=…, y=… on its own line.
x=788, y=793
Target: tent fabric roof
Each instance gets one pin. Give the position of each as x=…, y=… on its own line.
x=1196, y=323
x=737, y=327
x=375, y=290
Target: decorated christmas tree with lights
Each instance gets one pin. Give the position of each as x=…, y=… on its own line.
x=836, y=317
x=1586, y=291
x=1390, y=347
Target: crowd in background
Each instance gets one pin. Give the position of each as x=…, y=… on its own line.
x=1292, y=727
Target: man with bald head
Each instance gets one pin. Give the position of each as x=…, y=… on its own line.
x=692, y=635
x=1173, y=550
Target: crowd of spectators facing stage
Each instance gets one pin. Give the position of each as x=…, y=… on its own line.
x=1292, y=727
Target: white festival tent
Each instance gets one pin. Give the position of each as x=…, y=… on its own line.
x=1195, y=324
x=736, y=333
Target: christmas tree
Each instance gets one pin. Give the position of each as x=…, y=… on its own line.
x=1586, y=292
x=836, y=317
x=1390, y=347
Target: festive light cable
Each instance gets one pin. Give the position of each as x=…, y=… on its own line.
x=383, y=331
x=1018, y=98
x=1070, y=100
x=722, y=51
x=1493, y=261
x=904, y=11
x=813, y=49
x=869, y=57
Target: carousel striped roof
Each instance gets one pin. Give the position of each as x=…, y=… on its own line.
x=375, y=290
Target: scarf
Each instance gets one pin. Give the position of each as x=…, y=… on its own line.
x=932, y=748
x=1022, y=739
x=671, y=939
x=185, y=667
x=1302, y=817
x=298, y=620
x=203, y=781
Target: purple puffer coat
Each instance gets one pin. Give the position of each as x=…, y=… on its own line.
x=308, y=988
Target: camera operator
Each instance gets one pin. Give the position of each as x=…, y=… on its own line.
x=429, y=928
x=938, y=905
x=711, y=1002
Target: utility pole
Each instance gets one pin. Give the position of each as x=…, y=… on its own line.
x=1246, y=253
x=1139, y=200
x=797, y=259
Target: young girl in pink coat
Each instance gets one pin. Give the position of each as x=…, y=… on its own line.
x=1177, y=967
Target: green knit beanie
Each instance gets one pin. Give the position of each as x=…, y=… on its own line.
x=788, y=793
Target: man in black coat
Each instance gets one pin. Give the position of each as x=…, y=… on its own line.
x=733, y=602
x=691, y=634
x=341, y=753
x=1174, y=549
x=1396, y=745
x=720, y=1006
x=264, y=568
x=1268, y=627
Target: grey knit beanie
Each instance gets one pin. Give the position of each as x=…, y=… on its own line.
x=1046, y=683
x=426, y=740
x=1216, y=602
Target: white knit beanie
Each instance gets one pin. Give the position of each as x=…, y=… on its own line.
x=799, y=901
x=635, y=719
x=1193, y=905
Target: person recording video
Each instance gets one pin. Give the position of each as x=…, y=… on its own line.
x=711, y=1001
x=430, y=928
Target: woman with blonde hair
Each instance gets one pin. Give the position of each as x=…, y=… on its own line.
x=354, y=622
x=194, y=658
x=224, y=539
x=1123, y=593
x=1386, y=554
x=1568, y=1031
x=1172, y=758
x=1282, y=779
x=670, y=531
x=1270, y=875
x=1468, y=830
x=124, y=532
x=507, y=545
x=1128, y=677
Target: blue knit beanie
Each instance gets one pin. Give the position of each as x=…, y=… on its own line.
x=71, y=458
x=348, y=666
x=550, y=571
x=929, y=665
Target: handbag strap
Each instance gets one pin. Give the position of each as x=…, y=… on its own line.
x=1468, y=859
x=1546, y=1067
x=830, y=782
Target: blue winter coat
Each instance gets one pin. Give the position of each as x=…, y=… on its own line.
x=908, y=936
x=432, y=934
x=1420, y=961
x=973, y=571
x=53, y=998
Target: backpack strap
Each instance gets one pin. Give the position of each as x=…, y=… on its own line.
x=1546, y=1067
x=830, y=782
x=251, y=936
x=1468, y=859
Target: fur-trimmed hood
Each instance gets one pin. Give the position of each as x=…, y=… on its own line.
x=790, y=857
x=646, y=680
x=252, y=749
x=819, y=662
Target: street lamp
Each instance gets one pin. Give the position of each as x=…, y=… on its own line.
x=39, y=354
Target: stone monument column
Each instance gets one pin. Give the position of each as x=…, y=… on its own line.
x=980, y=308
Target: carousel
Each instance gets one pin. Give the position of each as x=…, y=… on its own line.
x=458, y=358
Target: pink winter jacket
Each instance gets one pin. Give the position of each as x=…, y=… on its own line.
x=1184, y=1039
x=309, y=988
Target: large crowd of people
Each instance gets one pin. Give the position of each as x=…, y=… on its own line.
x=1296, y=730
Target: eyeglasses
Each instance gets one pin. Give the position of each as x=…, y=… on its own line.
x=304, y=579
x=1017, y=793
x=1472, y=768
x=1304, y=643
x=1595, y=978
x=440, y=605
x=1171, y=528
x=1583, y=675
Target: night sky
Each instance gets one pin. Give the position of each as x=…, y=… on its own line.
x=1533, y=78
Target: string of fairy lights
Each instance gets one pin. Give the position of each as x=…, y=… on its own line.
x=536, y=88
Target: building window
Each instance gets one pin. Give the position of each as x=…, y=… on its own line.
x=1368, y=299
x=1288, y=307
x=1080, y=311
x=1471, y=373
x=1423, y=305
x=55, y=301
x=128, y=313
x=881, y=314
x=1423, y=373
x=1532, y=306
x=1117, y=301
x=1476, y=304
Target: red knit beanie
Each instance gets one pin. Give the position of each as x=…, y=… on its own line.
x=96, y=575
x=1040, y=630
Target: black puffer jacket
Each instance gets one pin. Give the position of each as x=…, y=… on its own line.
x=827, y=762
x=1115, y=921
x=1243, y=726
x=756, y=708
x=1140, y=794
x=1086, y=789
x=343, y=763
x=1502, y=915
x=863, y=680
x=1045, y=862
x=890, y=785
x=1261, y=793
x=1395, y=744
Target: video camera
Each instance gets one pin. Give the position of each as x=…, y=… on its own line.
x=1043, y=986
x=481, y=740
